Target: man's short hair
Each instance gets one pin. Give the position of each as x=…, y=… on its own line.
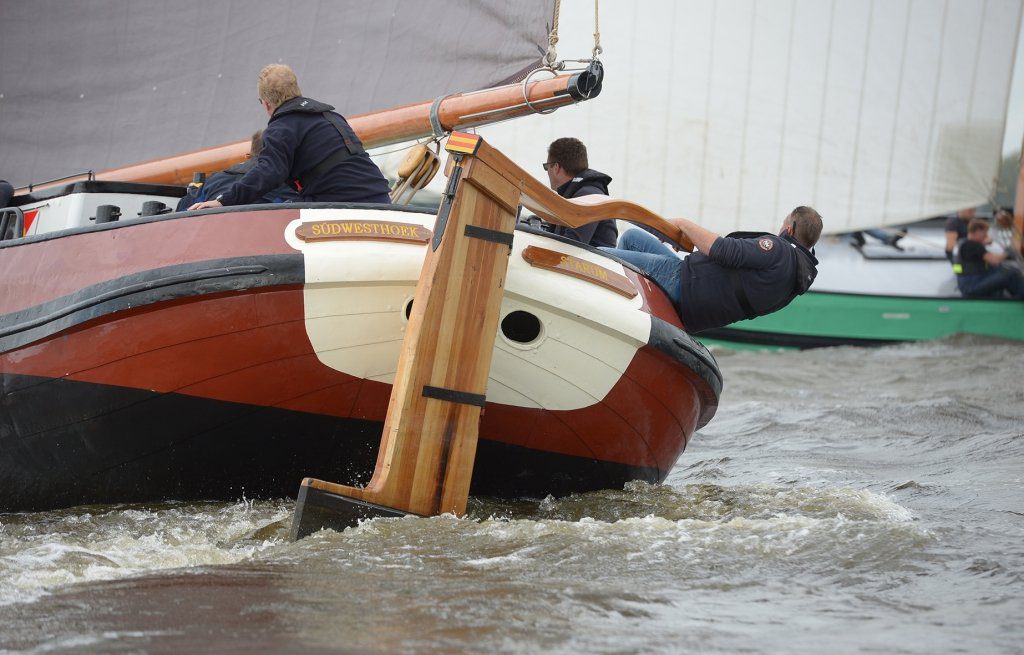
x=977, y=225
x=569, y=153
x=806, y=224
x=278, y=84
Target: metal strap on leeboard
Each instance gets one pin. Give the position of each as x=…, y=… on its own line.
x=496, y=236
x=453, y=396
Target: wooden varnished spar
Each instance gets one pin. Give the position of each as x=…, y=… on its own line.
x=427, y=450
x=381, y=128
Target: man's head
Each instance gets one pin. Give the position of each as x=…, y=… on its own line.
x=977, y=230
x=804, y=225
x=966, y=214
x=277, y=85
x=566, y=158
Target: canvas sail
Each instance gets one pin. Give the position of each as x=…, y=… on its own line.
x=735, y=112
x=96, y=84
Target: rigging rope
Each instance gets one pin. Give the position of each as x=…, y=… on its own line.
x=551, y=57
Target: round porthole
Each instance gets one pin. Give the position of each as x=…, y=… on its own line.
x=521, y=327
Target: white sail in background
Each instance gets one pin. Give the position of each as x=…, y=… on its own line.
x=732, y=113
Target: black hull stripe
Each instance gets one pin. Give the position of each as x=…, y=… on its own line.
x=689, y=352
x=800, y=341
x=146, y=288
x=96, y=443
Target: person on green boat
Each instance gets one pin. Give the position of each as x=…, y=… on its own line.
x=956, y=229
x=727, y=279
x=980, y=273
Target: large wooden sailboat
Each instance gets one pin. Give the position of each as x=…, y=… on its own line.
x=231, y=352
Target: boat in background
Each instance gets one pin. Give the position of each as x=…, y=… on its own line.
x=884, y=115
x=874, y=294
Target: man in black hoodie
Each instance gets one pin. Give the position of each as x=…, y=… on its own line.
x=727, y=279
x=308, y=146
x=571, y=177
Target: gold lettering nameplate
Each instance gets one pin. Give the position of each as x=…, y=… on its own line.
x=579, y=268
x=378, y=230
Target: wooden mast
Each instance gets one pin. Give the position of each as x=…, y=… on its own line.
x=380, y=128
x=425, y=463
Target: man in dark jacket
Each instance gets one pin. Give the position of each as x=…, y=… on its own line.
x=727, y=279
x=571, y=177
x=307, y=145
x=220, y=182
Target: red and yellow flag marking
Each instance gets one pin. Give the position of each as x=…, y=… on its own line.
x=463, y=142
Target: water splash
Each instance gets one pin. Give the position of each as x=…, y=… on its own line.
x=53, y=549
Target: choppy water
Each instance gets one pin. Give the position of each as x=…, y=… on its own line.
x=842, y=501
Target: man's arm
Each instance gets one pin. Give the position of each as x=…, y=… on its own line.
x=701, y=238
x=993, y=259
x=951, y=239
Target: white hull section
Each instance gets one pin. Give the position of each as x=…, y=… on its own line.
x=357, y=293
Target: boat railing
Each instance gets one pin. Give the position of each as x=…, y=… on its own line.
x=87, y=176
x=12, y=223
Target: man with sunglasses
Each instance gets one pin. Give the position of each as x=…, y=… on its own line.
x=307, y=145
x=570, y=176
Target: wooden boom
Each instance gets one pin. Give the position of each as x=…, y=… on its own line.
x=380, y=128
x=425, y=463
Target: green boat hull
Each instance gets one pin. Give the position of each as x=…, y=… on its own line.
x=820, y=319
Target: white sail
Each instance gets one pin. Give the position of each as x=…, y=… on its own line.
x=732, y=113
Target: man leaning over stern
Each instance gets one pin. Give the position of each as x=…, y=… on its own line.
x=731, y=278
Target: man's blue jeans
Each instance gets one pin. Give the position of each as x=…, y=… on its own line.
x=656, y=260
x=991, y=283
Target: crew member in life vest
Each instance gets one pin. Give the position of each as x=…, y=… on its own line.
x=727, y=279
x=980, y=273
x=307, y=145
x=570, y=176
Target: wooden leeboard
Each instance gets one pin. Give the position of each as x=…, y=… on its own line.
x=425, y=463
x=426, y=459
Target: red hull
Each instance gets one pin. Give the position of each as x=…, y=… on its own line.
x=248, y=345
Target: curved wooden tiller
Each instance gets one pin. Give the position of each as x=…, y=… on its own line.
x=425, y=462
